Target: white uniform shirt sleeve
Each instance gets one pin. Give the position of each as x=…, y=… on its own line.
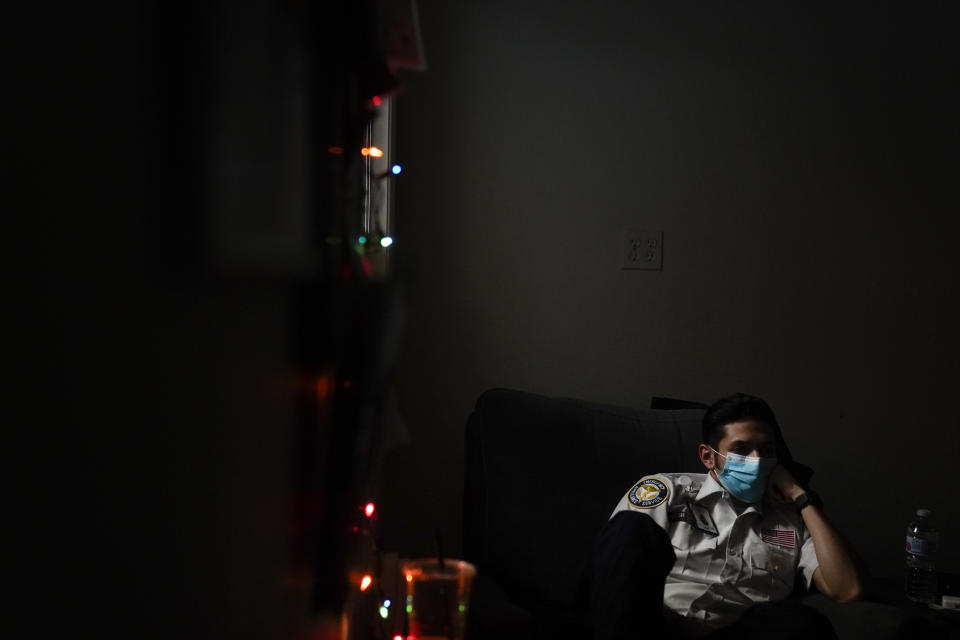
x=808, y=557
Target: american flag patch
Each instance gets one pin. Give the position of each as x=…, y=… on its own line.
x=779, y=537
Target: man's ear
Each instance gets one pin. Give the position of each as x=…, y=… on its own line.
x=706, y=456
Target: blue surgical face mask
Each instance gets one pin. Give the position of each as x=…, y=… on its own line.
x=746, y=477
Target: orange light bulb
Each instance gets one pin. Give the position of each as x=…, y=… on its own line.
x=323, y=387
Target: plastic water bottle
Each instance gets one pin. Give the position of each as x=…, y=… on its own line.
x=922, y=542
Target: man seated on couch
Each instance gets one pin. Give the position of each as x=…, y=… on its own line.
x=688, y=555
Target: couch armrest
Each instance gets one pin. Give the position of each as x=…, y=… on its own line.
x=875, y=620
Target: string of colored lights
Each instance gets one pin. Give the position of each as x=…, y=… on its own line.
x=376, y=185
x=384, y=240
x=377, y=611
x=367, y=582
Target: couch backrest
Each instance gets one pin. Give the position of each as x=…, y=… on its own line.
x=542, y=476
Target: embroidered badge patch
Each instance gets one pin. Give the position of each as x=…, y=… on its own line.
x=779, y=537
x=648, y=493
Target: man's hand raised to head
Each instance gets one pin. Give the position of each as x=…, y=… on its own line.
x=839, y=576
x=783, y=487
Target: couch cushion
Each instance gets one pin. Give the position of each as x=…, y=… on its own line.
x=542, y=475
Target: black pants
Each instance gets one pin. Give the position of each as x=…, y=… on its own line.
x=630, y=563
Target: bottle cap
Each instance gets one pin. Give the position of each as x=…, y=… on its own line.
x=924, y=513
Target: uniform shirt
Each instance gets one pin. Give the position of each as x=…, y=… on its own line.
x=726, y=561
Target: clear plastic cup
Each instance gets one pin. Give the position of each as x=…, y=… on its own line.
x=437, y=598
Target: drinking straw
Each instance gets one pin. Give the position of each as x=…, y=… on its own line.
x=438, y=542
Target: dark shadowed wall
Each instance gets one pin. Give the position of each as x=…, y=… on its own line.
x=800, y=160
x=151, y=402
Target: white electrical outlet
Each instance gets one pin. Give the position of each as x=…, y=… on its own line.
x=642, y=250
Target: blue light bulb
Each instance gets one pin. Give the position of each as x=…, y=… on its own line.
x=396, y=169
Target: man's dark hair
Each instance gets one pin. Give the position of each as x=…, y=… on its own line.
x=735, y=408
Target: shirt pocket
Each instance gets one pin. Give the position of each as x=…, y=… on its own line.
x=694, y=549
x=771, y=569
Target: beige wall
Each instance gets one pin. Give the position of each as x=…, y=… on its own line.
x=798, y=163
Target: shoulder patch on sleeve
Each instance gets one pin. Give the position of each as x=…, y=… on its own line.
x=648, y=493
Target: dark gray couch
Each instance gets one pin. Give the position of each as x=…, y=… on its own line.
x=542, y=476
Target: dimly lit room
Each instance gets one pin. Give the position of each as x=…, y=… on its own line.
x=380, y=319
